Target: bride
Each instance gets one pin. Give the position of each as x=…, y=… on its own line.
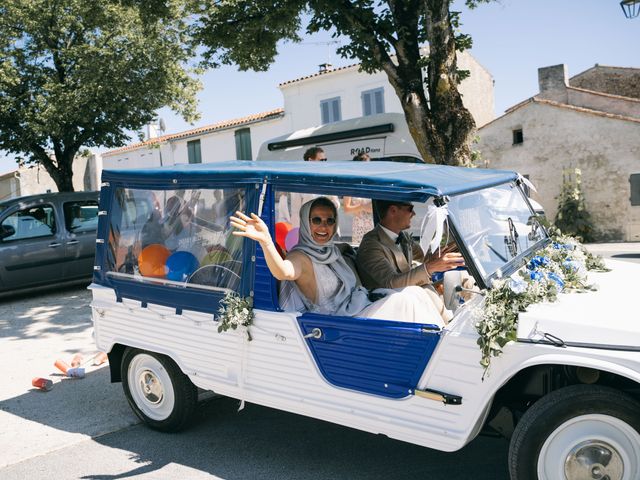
x=324, y=280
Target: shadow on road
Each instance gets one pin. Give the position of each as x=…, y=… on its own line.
x=262, y=443
x=91, y=406
x=59, y=312
x=626, y=255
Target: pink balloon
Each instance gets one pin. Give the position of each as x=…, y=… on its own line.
x=291, y=240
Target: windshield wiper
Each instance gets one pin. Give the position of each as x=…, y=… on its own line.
x=511, y=241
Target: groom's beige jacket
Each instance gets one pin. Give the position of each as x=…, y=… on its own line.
x=381, y=264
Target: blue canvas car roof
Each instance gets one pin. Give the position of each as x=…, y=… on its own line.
x=412, y=181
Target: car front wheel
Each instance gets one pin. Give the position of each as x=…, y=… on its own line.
x=582, y=432
x=159, y=393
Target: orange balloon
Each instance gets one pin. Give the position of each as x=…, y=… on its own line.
x=152, y=259
x=282, y=228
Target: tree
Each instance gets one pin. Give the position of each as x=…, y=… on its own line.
x=383, y=36
x=75, y=74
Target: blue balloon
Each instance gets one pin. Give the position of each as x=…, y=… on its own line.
x=180, y=266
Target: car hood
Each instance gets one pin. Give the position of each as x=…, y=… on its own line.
x=604, y=318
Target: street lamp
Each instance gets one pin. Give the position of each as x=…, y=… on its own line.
x=631, y=8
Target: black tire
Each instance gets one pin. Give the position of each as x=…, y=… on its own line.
x=562, y=418
x=159, y=393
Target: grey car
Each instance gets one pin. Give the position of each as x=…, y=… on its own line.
x=47, y=240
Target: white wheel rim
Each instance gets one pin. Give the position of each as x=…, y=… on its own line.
x=591, y=447
x=151, y=387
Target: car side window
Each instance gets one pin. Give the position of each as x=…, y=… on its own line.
x=32, y=222
x=177, y=237
x=81, y=216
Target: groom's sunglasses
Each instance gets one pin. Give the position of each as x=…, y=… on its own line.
x=318, y=221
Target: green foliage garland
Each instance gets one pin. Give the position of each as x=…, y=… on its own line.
x=561, y=266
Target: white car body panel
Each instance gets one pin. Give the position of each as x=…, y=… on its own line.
x=276, y=369
x=601, y=317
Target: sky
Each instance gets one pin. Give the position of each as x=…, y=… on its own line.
x=511, y=39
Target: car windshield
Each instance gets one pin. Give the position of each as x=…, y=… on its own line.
x=496, y=225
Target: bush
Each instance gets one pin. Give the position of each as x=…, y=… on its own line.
x=572, y=217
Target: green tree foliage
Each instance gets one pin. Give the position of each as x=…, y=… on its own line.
x=77, y=73
x=384, y=35
x=572, y=217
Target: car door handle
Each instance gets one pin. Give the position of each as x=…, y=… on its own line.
x=72, y=242
x=54, y=245
x=315, y=333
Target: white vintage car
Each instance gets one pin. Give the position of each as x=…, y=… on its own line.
x=566, y=391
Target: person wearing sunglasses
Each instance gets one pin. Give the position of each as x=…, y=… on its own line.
x=319, y=277
x=387, y=254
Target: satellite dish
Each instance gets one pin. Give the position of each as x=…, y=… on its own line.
x=161, y=125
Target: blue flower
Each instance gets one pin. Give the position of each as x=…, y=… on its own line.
x=575, y=266
x=517, y=286
x=554, y=277
x=571, y=265
x=538, y=261
x=536, y=276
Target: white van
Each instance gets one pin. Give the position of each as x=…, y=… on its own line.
x=383, y=137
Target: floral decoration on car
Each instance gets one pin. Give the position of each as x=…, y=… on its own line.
x=562, y=266
x=235, y=311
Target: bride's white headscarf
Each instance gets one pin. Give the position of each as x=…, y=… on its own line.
x=349, y=300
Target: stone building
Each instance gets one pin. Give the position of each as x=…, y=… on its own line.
x=327, y=96
x=33, y=179
x=590, y=121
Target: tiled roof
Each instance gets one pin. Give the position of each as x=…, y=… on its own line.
x=597, y=66
x=326, y=72
x=604, y=94
x=589, y=111
x=236, y=122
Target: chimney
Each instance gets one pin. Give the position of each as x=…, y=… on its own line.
x=553, y=82
x=324, y=67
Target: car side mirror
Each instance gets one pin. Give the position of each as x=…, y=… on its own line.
x=6, y=231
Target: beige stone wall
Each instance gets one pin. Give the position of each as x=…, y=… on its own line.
x=606, y=150
x=614, y=80
x=9, y=186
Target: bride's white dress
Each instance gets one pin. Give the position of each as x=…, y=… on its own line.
x=410, y=304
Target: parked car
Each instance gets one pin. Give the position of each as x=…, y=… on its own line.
x=47, y=240
x=565, y=391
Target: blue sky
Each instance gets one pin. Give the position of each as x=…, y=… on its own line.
x=511, y=38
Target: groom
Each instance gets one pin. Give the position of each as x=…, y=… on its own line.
x=387, y=254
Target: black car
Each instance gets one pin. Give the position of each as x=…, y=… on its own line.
x=47, y=240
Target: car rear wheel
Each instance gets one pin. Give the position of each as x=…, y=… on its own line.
x=159, y=393
x=582, y=432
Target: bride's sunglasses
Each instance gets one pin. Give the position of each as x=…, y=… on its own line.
x=319, y=221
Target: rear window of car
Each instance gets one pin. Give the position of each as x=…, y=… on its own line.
x=177, y=238
x=81, y=216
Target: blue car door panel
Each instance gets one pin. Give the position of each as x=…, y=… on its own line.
x=378, y=357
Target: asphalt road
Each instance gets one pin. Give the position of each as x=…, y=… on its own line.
x=84, y=429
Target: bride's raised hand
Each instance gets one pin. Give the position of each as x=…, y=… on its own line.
x=251, y=227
